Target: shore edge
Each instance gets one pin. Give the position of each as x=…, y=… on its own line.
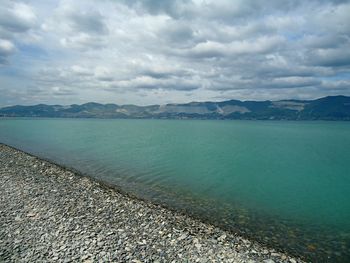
x=38, y=195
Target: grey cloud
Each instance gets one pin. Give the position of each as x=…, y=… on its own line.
x=290, y=71
x=263, y=82
x=179, y=86
x=88, y=22
x=48, y=91
x=341, y=86
x=3, y=61
x=10, y=96
x=189, y=49
x=222, y=10
x=165, y=74
x=81, y=27
x=15, y=20
x=50, y=77
x=6, y=49
x=330, y=57
x=106, y=78
x=16, y=17
x=174, y=8
x=62, y=91
x=149, y=83
x=326, y=41
x=12, y=24
x=177, y=33
x=158, y=75
x=292, y=82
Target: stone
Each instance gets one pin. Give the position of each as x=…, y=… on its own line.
x=182, y=237
x=85, y=221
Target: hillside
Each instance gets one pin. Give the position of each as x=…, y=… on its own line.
x=327, y=108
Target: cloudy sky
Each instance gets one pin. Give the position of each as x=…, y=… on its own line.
x=161, y=51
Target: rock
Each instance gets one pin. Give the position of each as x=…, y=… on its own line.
x=85, y=221
x=31, y=214
x=182, y=237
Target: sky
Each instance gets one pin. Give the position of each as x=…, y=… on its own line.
x=167, y=51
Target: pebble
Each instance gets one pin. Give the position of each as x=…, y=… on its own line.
x=182, y=237
x=48, y=213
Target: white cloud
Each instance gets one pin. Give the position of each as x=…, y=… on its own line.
x=16, y=17
x=81, y=70
x=6, y=47
x=156, y=51
x=256, y=46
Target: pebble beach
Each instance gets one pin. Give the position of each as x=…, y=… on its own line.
x=49, y=213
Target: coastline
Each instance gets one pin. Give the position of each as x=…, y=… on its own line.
x=53, y=213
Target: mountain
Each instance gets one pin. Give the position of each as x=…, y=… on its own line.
x=327, y=108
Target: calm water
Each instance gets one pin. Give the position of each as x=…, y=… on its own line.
x=286, y=184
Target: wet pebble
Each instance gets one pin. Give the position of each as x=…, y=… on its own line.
x=50, y=214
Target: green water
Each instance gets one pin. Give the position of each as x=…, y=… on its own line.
x=285, y=184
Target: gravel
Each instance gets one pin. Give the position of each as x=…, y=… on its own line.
x=51, y=214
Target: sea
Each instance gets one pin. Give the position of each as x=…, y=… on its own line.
x=284, y=184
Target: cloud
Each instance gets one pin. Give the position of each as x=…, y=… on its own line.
x=78, y=26
x=82, y=41
x=16, y=17
x=6, y=49
x=91, y=23
x=173, y=8
x=244, y=47
x=166, y=73
x=149, y=83
x=104, y=74
x=81, y=71
x=335, y=57
x=153, y=51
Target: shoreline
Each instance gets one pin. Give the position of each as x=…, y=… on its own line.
x=50, y=212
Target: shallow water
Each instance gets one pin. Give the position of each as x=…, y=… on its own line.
x=286, y=184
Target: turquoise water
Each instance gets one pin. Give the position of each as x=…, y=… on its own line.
x=285, y=184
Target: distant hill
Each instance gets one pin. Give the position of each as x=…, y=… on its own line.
x=327, y=108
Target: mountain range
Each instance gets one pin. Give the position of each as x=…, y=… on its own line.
x=326, y=108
